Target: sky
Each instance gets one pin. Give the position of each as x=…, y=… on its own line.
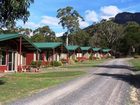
x=43, y=12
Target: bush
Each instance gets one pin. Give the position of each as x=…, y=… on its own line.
x=74, y=57
x=71, y=61
x=33, y=64
x=64, y=61
x=76, y=60
x=91, y=57
x=136, y=56
x=38, y=63
x=56, y=63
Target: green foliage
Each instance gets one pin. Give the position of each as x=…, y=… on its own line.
x=108, y=34
x=43, y=34
x=38, y=38
x=131, y=41
x=38, y=63
x=69, y=18
x=11, y=10
x=33, y=64
x=56, y=63
x=122, y=38
x=80, y=38
x=45, y=30
x=91, y=56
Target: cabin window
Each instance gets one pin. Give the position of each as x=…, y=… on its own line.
x=2, y=58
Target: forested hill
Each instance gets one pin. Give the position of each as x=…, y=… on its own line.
x=121, y=33
x=125, y=17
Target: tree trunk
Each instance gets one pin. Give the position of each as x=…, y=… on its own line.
x=67, y=40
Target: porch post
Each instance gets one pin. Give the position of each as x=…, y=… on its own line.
x=53, y=54
x=7, y=59
x=68, y=55
x=75, y=55
x=61, y=52
x=37, y=58
x=20, y=50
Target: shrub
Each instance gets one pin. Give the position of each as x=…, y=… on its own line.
x=33, y=64
x=56, y=63
x=64, y=61
x=38, y=63
x=71, y=61
x=76, y=60
x=73, y=57
x=136, y=56
x=91, y=57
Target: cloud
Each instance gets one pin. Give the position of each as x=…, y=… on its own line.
x=60, y=34
x=91, y=16
x=31, y=25
x=49, y=20
x=83, y=24
x=109, y=11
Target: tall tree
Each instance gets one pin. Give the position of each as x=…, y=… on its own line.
x=12, y=10
x=108, y=34
x=131, y=41
x=43, y=34
x=69, y=19
x=80, y=38
x=45, y=30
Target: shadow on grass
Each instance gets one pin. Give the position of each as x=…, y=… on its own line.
x=133, y=80
x=2, y=82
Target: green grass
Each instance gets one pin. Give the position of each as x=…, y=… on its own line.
x=84, y=64
x=136, y=63
x=13, y=86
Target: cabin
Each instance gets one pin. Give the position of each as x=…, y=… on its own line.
x=74, y=52
x=86, y=52
x=106, y=53
x=51, y=51
x=97, y=54
x=13, y=52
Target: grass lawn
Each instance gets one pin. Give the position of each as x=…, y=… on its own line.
x=13, y=86
x=84, y=64
x=17, y=85
x=136, y=63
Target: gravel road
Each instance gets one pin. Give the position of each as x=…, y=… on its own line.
x=106, y=84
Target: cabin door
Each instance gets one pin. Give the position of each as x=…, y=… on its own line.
x=11, y=61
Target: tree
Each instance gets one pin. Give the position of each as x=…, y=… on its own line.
x=45, y=30
x=130, y=44
x=22, y=31
x=38, y=38
x=12, y=10
x=69, y=19
x=108, y=34
x=80, y=38
x=43, y=34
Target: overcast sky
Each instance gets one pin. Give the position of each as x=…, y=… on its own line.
x=43, y=12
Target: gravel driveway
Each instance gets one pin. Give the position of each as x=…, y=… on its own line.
x=107, y=84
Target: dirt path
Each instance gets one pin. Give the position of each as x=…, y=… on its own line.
x=107, y=84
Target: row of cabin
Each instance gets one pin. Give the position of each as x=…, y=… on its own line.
x=16, y=51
